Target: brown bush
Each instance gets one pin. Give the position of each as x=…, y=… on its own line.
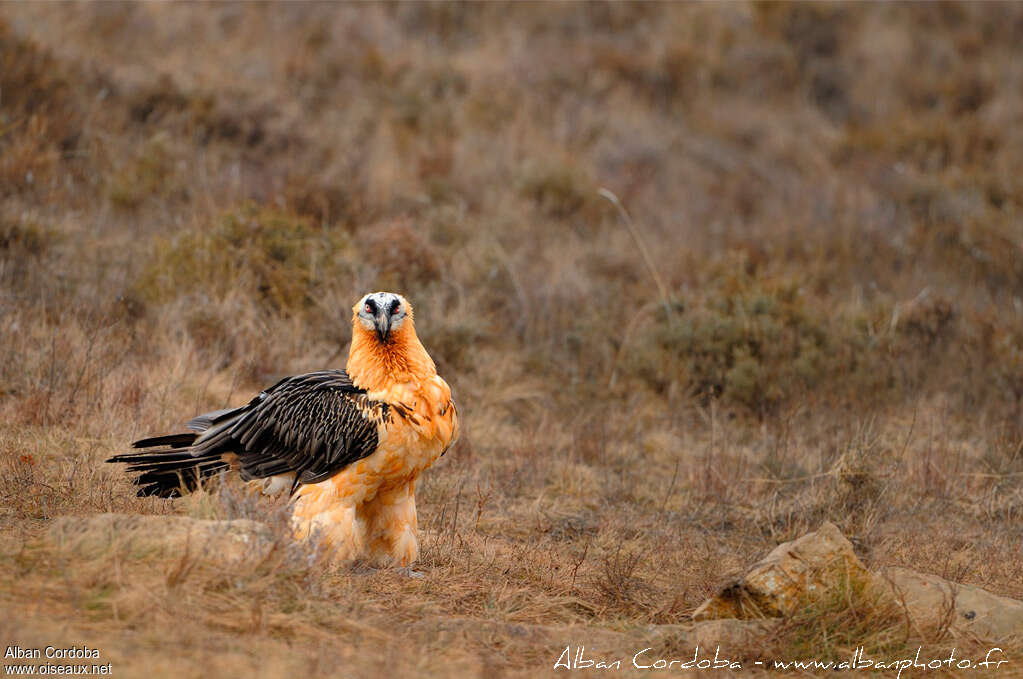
x=41, y=118
x=400, y=256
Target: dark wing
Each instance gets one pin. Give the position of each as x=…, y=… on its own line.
x=314, y=425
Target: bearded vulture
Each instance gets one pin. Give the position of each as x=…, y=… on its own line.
x=349, y=443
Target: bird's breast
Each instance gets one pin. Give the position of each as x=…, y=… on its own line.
x=423, y=421
x=420, y=425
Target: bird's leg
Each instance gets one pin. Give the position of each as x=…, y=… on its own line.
x=391, y=526
x=336, y=526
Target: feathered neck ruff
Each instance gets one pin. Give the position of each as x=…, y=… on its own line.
x=374, y=365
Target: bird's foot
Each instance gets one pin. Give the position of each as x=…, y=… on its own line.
x=408, y=572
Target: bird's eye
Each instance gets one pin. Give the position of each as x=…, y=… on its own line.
x=395, y=305
x=371, y=307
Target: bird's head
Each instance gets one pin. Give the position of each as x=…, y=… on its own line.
x=382, y=314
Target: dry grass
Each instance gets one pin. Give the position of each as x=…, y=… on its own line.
x=193, y=197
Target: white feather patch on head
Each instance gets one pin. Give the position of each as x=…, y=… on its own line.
x=382, y=300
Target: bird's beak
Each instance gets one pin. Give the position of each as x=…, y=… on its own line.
x=383, y=324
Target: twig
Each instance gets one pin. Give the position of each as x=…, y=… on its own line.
x=671, y=487
x=81, y=373
x=586, y=550
x=53, y=374
x=522, y=326
x=909, y=434
x=795, y=479
x=13, y=126
x=630, y=326
x=606, y=193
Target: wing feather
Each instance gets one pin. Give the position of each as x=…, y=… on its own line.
x=314, y=425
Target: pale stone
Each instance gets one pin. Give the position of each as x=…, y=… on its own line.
x=161, y=535
x=823, y=561
x=726, y=633
x=977, y=611
x=779, y=582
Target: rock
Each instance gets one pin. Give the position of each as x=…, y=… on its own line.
x=927, y=599
x=728, y=633
x=523, y=639
x=163, y=535
x=778, y=583
x=824, y=561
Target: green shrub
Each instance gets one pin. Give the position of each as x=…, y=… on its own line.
x=758, y=343
x=275, y=257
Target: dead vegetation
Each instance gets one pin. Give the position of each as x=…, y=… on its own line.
x=193, y=197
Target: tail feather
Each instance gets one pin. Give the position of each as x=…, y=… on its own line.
x=170, y=482
x=173, y=440
x=206, y=421
x=172, y=471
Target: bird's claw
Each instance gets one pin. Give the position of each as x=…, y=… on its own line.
x=408, y=572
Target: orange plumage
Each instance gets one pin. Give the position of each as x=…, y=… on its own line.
x=368, y=509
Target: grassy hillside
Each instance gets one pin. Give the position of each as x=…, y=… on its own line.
x=829, y=324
